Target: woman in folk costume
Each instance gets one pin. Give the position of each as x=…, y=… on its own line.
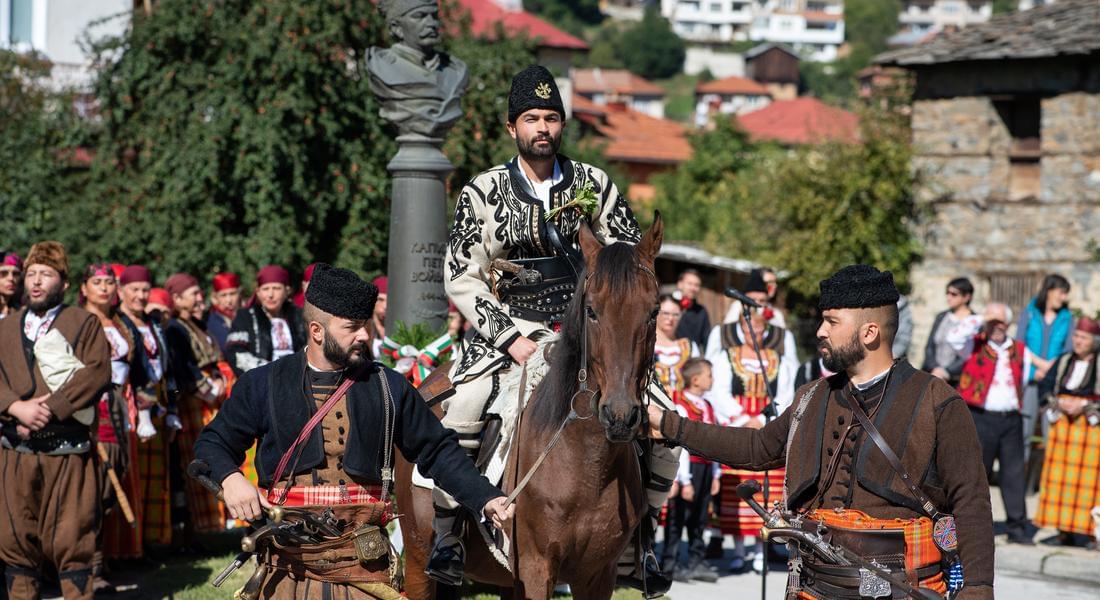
x=203, y=386
x=269, y=328
x=1071, y=469
x=670, y=353
x=11, y=283
x=750, y=388
x=153, y=392
x=118, y=538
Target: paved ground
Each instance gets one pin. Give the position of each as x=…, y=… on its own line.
x=1010, y=585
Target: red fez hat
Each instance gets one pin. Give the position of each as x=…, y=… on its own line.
x=134, y=274
x=382, y=283
x=226, y=281
x=117, y=269
x=180, y=283
x=1088, y=325
x=160, y=296
x=308, y=274
x=272, y=274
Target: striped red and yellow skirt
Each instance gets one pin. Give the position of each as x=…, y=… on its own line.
x=1071, y=476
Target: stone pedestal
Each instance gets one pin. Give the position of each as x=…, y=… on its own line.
x=418, y=233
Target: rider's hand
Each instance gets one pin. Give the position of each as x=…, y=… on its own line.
x=655, y=415
x=242, y=498
x=674, y=490
x=33, y=413
x=687, y=492
x=522, y=349
x=499, y=511
x=715, y=486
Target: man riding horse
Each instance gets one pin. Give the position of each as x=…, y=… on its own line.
x=511, y=269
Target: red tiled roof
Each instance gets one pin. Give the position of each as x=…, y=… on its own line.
x=613, y=81
x=800, y=121
x=485, y=14
x=732, y=85
x=633, y=136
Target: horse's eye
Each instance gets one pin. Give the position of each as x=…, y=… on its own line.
x=591, y=313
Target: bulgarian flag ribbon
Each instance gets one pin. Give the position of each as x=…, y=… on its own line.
x=416, y=363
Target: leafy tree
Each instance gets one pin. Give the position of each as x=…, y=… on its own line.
x=808, y=210
x=693, y=192
x=571, y=15
x=650, y=48
x=35, y=178
x=868, y=25
x=844, y=203
x=1001, y=7
x=237, y=133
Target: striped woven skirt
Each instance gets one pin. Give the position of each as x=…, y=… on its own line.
x=152, y=465
x=735, y=517
x=205, y=511
x=1071, y=477
x=120, y=540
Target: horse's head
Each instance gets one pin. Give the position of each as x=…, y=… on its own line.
x=620, y=312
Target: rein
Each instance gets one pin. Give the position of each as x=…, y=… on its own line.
x=582, y=388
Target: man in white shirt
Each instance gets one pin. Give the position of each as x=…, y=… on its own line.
x=991, y=384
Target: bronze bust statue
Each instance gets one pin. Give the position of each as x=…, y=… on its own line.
x=420, y=88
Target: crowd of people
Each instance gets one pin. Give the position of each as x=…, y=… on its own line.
x=171, y=359
x=1032, y=393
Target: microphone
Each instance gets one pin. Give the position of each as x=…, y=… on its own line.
x=737, y=295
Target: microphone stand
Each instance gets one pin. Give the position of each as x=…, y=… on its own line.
x=746, y=312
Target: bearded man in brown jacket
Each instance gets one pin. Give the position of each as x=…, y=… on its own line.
x=54, y=364
x=837, y=474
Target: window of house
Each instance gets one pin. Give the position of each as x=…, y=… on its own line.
x=1022, y=117
x=715, y=7
x=1014, y=289
x=815, y=6
x=690, y=5
x=739, y=6
x=20, y=21
x=976, y=7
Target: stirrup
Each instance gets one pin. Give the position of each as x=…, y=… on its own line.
x=447, y=562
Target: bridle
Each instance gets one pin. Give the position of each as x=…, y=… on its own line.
x=582, y=389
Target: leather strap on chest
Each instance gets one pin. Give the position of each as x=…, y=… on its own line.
x=341, y=391
x=895, y=462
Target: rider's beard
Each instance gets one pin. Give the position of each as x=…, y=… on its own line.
x=840, y=359
x=353, y=357
x=529, y=150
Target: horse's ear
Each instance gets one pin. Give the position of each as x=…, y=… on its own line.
x=652, y=239
x=590, y=246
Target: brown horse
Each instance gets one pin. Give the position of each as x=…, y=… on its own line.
x=578, y=513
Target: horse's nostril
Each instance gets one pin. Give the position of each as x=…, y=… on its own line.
x=635, y=416
x=605, y=414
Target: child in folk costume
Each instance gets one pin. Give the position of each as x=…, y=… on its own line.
x=671, y=354
x=697, y=482
x=749, y=389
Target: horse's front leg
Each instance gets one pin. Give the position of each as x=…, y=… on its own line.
x=599, y=585
x=536, y=578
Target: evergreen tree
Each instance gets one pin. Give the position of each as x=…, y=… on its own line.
x=651, y=49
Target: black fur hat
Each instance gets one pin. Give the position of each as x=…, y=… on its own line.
x=341, y=293
x=533, y=87
x=858, y=286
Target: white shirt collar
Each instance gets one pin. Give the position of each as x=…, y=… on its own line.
x=872, y=381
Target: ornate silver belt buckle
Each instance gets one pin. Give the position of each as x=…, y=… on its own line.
x=871, y=585
x=529, y=276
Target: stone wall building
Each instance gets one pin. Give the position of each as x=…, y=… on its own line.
x=1006, y=122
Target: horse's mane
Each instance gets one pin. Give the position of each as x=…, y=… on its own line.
x=614, y=273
